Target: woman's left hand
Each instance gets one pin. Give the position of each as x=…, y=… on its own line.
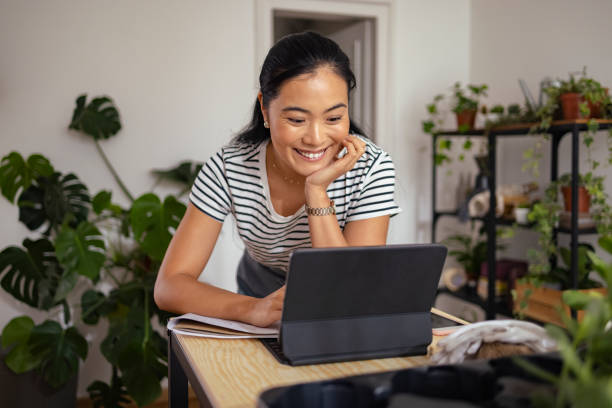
x=318, y=181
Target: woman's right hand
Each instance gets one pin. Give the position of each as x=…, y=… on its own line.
x=267, y=310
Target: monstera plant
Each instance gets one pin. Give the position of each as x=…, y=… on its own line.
x=88, y=243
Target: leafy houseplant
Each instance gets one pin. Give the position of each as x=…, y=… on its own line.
x=464, y=103
x=545, y=216
x=585, y=347
x=100, y=244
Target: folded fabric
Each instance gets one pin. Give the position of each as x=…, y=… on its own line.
x=479, y=205
x=466, y=341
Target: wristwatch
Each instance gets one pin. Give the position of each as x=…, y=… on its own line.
x=321, y=210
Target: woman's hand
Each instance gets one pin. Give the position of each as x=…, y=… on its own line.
x=317, y=182
x=268, y=310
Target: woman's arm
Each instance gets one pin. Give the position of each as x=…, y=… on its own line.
x=178, y=290
x=324, y=229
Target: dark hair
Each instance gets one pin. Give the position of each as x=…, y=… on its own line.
x=291, y=56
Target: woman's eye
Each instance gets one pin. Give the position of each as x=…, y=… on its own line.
x=335, y=119
x=295, y=120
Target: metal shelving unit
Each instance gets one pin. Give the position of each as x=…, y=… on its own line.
x=557, y=131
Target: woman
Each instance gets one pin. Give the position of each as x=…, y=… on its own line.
x=300, y=175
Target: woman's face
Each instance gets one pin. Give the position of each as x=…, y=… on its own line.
x=308, y=120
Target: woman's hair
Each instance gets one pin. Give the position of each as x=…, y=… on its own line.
x=291, y=56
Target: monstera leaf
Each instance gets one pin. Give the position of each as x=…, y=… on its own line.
x=154, y=222
x=105, y=396
x=17, y=173
x=81, y=250
x=95, y=305
x=53, y=351
x=185, y=173
x=99, y=119
x=52, y=200
x=139, y=352
x=58, y=350
x=32, y=276
x=16, y=335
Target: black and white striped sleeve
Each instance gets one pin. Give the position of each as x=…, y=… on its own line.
x=376, y=195
x=210, y=192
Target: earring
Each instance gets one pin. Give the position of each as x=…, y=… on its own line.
x=266, y=125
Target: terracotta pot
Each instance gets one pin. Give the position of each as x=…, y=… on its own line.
x=467, y=117
x=584, y=199
x=543, y=303
x=570, y=102
x=596, y=108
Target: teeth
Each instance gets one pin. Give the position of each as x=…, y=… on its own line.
x=312, y=156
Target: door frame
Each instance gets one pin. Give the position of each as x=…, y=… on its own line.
x=378, y=10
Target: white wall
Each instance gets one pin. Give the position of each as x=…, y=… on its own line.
x=181, y=75
x=531, y=40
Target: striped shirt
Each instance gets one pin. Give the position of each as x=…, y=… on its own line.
x=235, y=181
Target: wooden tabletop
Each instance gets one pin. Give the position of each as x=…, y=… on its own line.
x=232, y=373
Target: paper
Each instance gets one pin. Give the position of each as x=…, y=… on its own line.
x=191, y=324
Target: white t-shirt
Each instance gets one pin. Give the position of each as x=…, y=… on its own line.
x=235, y=181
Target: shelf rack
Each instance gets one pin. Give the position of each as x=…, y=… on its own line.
x=557, y=130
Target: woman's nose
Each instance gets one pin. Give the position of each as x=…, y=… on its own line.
x=313, y=135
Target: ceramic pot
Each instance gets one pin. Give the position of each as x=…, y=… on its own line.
x=584, y=199
x=520, y=215
x=570, y=103
x=467, y=117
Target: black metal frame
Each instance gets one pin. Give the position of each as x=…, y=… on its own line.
x=557, y=131
x=180, y=374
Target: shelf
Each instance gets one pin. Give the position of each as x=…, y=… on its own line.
x=523, y=128
x=501, y=305
x=507, y=222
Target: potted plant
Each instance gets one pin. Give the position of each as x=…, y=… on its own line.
x=520, y=213
x=464, y=103
x=584, y=199
x=584, y=346
x=470, y=252
x=109, y=253
x=540, y=297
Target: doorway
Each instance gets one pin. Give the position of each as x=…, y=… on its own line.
x=355, y=36
x=346, y=21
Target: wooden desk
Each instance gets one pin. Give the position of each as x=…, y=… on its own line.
x=232, y=373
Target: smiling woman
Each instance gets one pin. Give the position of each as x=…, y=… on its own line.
x=300, y=175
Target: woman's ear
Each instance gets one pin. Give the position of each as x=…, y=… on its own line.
x=264, y=113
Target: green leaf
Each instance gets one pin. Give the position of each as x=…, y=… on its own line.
x=467, y=145
x=94, y=305
x=59, y=351
x=153, y=223
x=579, y=300
x=428, y=126
x=81, y=250
x=605, y=242
x=185, y=173
x=142, y=368
x=20, y=359
x=56, y=198
x=463, y=128
x=31, y=276
x=104, y=396
x=17, y=174
x=445, y=144
x=17, y=331
x=99, y=119
x=101, y=201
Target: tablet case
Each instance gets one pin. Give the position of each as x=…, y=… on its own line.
x=359, y=302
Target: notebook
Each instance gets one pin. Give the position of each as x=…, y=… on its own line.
x=358, y=303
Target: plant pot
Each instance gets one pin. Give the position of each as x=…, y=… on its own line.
x=543, y=303
x=466, y=119
x=570, y=103
x=596, y=108
x=520, y=215
x=29, y=390
x=584, y=199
